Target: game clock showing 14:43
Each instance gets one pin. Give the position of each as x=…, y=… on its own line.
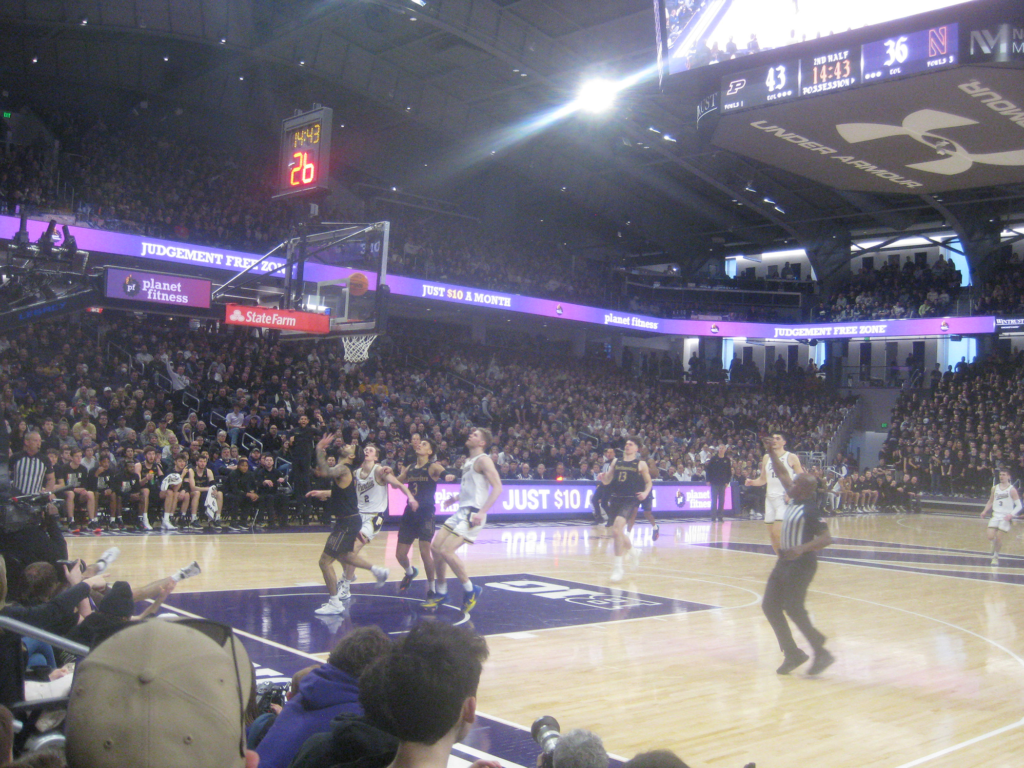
x=305, y=153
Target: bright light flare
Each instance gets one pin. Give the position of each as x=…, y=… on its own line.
x=597, y=95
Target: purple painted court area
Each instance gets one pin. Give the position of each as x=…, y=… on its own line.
x=510, y=603
x=520, y=602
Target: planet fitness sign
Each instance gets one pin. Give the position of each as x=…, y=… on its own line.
x=151, y=287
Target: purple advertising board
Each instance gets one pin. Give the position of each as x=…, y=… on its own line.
x=151, y=287
x=568, y=499
x=183, y=254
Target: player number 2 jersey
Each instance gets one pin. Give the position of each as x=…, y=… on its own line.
x=373, y=496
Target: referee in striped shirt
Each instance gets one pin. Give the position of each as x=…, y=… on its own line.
x=803, y=533
x=30, y=472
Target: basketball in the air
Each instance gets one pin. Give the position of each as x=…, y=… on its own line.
x=358, y=284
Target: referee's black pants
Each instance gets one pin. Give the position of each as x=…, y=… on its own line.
x=718, y=500
x=784, y=595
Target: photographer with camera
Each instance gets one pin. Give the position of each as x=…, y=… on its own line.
x=578, y=748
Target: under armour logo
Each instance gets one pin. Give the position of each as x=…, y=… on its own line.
x=921, y=126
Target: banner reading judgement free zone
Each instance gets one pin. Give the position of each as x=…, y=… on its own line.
x=184, y=254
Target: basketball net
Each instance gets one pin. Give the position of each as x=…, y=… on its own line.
x=357, y=347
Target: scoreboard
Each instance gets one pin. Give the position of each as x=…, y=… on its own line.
x=841, y=68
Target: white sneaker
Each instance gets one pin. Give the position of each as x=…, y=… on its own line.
x=192, y=569
x=344, y=592
x=381, y=574
x=106, y=559
x=332, y=607
x=167, y=525
x=144, y=520
x=617, y=573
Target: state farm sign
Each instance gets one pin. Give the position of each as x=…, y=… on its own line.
x=278, y=319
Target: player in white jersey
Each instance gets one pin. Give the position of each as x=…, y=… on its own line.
x=372, y=481
x=480, y=488
x=1003, y=505
x=775, y=493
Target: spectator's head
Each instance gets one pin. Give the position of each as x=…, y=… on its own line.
x=424, y=690
x=268, y=461
x=359, y=649
x=243, y=465
x=658, y=758
x=579, y=748
x=40, y=583
x=159, y=694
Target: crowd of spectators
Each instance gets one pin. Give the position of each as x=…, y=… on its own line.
x=950, y=440
x=227, y=394
x=1003, y=291
x=141, y=181
x=893, y=292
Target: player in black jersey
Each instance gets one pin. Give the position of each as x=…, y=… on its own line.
x=151, y=472
x=629, y=483
x=421, y=480
x=343, y=506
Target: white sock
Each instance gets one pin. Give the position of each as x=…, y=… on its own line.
x=618, y=561
x=409, y=571
x=430, y=585
x=467, y=585
x=442, y=588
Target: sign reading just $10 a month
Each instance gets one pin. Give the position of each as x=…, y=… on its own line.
x=154, y=288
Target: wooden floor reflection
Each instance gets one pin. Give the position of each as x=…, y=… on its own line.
x=929, y=671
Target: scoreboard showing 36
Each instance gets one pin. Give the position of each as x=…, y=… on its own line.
x=305, y=154
x=840, y=69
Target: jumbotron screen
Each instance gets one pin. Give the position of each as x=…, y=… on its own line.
x=696, y=33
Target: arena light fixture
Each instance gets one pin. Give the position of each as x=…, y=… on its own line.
x=597, y=95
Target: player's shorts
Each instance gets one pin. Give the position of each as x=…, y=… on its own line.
x=417, y=525
x=343, y=536
x=620, y=506
x=774, y=508
x=1001, y=522
x=371, y=525
x=460, y=524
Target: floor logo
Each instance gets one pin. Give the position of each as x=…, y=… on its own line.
x=589, y=597
x=921, y=126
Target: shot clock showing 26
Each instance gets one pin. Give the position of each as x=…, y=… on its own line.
x=305, y=153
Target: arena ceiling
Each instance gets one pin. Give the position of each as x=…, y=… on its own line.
x=442, y=94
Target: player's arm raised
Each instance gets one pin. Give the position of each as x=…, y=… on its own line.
x=762, y=478
x=386, y=475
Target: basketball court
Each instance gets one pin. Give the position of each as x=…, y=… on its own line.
x=678, y=655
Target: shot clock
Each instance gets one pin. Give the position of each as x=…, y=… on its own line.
x=304, y=161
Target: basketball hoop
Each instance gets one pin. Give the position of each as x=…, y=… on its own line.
x=357, y=347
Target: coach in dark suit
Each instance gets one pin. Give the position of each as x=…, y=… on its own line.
x=719, y=473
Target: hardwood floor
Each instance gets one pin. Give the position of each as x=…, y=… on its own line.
x=929, y=666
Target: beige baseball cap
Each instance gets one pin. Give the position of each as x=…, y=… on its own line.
x=161, y=694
